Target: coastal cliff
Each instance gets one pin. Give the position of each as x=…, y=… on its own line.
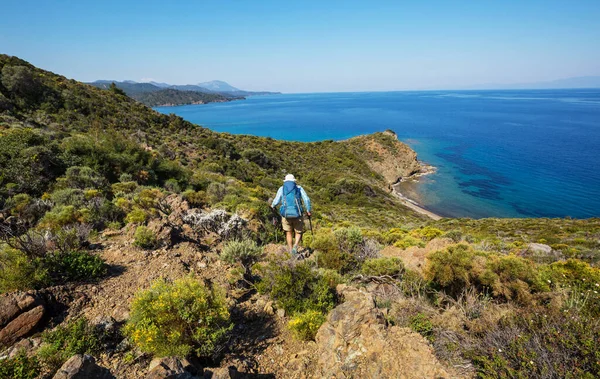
x=389, y=157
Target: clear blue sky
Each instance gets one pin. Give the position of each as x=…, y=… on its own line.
x=308, y=46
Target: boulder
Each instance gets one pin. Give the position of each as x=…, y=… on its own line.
x=22, y=325
x=82, y=367
x=171, y=368
x=356, y=341
x=12, y=305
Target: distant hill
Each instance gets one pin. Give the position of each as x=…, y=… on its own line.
x=154, y=96
x=566, y=83
x=219, y=86
x=170, y=97
x=130, y=88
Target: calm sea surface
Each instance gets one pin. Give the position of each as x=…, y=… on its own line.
x=526, y=153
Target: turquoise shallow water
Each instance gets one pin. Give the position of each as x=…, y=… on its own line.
x=526, y=153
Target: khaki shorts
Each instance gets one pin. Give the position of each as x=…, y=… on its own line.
x=296, y=223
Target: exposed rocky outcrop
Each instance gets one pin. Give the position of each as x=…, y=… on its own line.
x=82, y=367
x=357, y=342
x=171, y=368
x=390, y=158
x=20, y=315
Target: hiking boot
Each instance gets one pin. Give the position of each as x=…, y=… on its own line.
x=294, y=251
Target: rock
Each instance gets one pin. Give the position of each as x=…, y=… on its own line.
x=356, y=341
x=82, y=367
x=268, y=309
x=21, y=326
x=12, y=305
x=171, y=368
x=539, y=248
x=27, y=345
x=281, y=312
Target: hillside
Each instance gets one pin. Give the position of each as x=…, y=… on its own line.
x=147, y=242
x=154, y=96
x=172, y=97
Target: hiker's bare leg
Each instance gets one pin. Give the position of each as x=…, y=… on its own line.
x=290, y=239
x=298, y=239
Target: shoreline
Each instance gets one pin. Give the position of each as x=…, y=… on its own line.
x=425, y=170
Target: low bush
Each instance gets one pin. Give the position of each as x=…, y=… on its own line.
x=454, y=235
x=297, y=288
x=422, y=325
x=246, y=252
x=136, y=216
x=426, y=233
x=451, y=268
x=74, y=266
x=19, y=272
x=510, y=277
x=541, y=345
x=409, y=241
x=20, y=366
x=305, y=325
x=178, y=318
x=60, y=344
x=144, y=238
x=383, y=266
x=59, y=217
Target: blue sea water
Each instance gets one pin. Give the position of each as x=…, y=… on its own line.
x=522, y=153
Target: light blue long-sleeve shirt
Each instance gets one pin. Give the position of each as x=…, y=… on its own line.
x=305, y=198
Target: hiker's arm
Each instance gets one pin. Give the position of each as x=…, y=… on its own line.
x=305, y=200
x=277, y=198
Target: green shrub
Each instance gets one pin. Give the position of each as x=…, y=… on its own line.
x=454, y=235
x=18, y=272
x=74, y=266
x=83, y=177
x=451, y=268
x=393, y=235
x=246, y=252
x=297, y=287
x=195, y=198
x=422, y=325
x=409, y=241
x=60, y=344
x=68, y=196
x=20, y=367
x=535, y=345
x=178, y=318
x=575, y=276
x=136, y=216
x=172, y=185
x=383, y=266
x=144, y=238
x=305, y=325
x=60, y=216
x=426, y=233
x=348, y=239
x=510, y=277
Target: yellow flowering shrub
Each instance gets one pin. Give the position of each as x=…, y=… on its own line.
x=179, y=318
x=305, y=325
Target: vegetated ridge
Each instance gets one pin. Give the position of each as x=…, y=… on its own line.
x=147, y=243
x=162, y=94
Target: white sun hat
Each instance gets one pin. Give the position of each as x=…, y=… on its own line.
x=289, y=178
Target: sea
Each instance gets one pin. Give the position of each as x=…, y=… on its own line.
x=497, y=153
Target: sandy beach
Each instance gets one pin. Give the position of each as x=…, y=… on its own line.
x=414, y=205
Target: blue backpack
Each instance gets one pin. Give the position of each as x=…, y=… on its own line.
x=291, y=202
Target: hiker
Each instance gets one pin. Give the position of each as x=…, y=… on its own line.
x=292, y=198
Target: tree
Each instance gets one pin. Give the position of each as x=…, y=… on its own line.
x=113, y=88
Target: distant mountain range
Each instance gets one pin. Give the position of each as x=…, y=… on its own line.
x=215, y=87
x=567, y=83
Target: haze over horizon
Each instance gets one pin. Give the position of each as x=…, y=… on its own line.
x=308, y=46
